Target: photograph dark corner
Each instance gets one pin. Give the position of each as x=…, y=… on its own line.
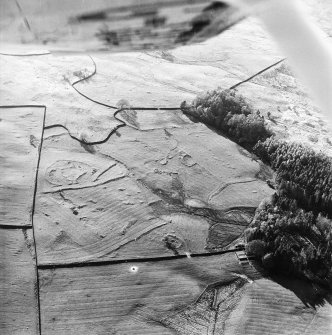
x=166, y=167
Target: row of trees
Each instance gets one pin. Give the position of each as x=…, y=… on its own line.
x=231, y=114
x=289, y=234
x=302, y=173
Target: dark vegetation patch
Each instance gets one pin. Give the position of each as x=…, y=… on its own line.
x=172, y=199
x=303, y=174
x=290, y=240
x=292, y=233
x=231, y=114
x=225, y=227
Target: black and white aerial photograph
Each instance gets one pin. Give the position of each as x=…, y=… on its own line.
x=165, y=167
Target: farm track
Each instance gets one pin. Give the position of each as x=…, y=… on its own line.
x=122, y=124
x=118, y=110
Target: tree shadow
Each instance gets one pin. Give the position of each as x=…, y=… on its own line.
x=220, y=132
x=311, y=294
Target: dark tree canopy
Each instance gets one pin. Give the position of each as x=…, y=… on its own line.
x=231, y=114
x=288, y=239
x=303, y=174
x=292, y=233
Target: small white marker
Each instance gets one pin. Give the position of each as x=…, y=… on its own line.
x=133, y=269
